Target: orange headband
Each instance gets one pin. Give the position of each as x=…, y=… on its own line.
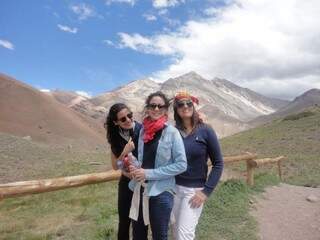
x=181, y=95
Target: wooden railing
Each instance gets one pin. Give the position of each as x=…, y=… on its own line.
x=254, y=163
x=23, y=188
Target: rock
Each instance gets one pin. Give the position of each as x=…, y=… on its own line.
x=312, y=198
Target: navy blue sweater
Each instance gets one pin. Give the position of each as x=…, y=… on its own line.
x=201, y=145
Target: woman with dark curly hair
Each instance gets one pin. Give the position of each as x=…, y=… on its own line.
x=162, y=155
x=122, y=135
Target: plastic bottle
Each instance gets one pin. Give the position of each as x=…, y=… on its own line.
x=128, y=160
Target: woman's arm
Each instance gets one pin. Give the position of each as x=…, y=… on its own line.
x=214, y=152
x=129, y=147
x=179, y=164
x=114, y=161
x=216, y=158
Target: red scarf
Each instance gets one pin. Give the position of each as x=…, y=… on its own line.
x=152, y=126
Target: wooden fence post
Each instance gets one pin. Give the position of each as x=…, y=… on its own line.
x=252, y=164
x=279, y=169
x=250, y=173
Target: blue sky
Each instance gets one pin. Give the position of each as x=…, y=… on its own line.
x=47, y=57
x=95, y=46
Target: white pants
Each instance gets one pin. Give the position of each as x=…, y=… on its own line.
x=185, y=217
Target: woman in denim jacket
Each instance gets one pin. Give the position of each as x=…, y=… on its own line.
x=162, y=156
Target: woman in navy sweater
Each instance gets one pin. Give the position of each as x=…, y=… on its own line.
x=193, y=186
x=122, y=134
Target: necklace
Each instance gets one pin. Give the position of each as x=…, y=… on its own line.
x=125, y=133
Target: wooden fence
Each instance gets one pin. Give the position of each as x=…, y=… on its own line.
x=23, y=188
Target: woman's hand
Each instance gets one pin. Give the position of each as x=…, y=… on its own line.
x=129, y=147
x=127, y=174
x=198, y=199
x=138, y=174
x=132, y=168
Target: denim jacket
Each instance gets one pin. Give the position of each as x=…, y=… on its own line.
x=170, y=161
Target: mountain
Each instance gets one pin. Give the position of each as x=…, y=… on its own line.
x=132, y=94
x=226, y=106
x=25, y=111
x=67, y=97
x=308, y=99
x=236, y=102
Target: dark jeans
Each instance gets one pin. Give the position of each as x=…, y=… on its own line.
x=124, y=204
x=160, y=208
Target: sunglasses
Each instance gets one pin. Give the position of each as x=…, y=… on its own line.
x=154, y=106
x=181, y=104
x=124, y=119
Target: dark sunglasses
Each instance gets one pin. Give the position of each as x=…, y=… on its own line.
x=181, y=104
x=124, y=119
x=154, y=106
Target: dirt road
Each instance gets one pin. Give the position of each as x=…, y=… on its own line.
x=284, y=213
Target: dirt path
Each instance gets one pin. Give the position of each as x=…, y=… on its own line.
x=284, y=213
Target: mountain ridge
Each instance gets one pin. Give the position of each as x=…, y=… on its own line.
x=307, y=99
x=228, y=107
x=26, y=111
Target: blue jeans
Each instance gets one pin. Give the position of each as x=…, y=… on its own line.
x=160, y=208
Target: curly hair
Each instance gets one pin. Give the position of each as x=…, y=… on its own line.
x=111, y=128
x=158, y=94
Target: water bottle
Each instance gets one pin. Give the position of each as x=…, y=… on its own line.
x=120, y=164
x=133, y=161
x=128, y=160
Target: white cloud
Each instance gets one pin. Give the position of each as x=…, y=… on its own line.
x=6, y=44
x=67, y=29
x=131, y=2
x=172, y=22
x=255, y=43
x=166, y=3
x=163, y=12
x=108, y=42
x=137, y=42
x=45, y=90
x=83, y=11
x=283, y=88
x=149, y=17
x=134, y=42
x=84, y=94
x=212, y=11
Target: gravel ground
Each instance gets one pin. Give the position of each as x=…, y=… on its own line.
x=284, y=213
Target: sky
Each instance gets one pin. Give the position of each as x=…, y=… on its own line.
x=271, y=47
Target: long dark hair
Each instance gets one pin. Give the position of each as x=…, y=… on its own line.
x=195, y=119
x=112, y=129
